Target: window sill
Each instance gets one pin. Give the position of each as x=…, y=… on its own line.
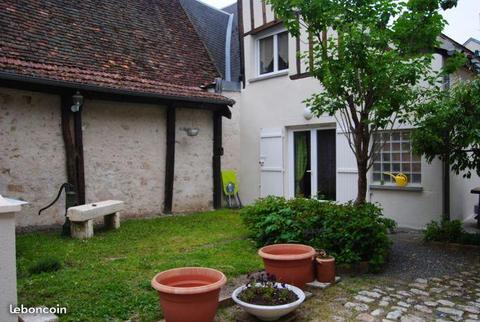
x=396, y=188
x=268, y=76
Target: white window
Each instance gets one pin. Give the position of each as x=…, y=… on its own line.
x=272, y=53
x=395, y=156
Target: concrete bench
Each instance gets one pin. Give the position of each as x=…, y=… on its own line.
x=81, y=217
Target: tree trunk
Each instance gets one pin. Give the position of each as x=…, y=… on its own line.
x=362, y=183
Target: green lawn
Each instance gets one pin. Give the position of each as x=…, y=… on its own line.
x=108, y=277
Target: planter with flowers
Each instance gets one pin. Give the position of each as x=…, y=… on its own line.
x=267, y=299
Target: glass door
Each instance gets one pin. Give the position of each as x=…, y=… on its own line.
x=302, y=164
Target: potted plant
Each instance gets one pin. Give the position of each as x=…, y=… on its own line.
x=325, y=267
x=189, y=294
x=290, y=263
x=267, y=299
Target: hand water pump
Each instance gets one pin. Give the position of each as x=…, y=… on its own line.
x=71, y=200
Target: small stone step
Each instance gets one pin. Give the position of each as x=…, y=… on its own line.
x=317, y=284
x=40, y=317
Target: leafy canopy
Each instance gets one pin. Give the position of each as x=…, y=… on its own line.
x=448, y=127
x=371, y=57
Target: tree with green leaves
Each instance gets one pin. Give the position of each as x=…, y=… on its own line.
x=448, y=128
x=370, y=57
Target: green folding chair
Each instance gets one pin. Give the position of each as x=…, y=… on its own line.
x=230, y=189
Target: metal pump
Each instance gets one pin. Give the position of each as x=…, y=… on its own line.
x=71, y=200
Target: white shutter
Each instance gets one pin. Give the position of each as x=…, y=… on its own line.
x=271, y=162
x=347, y=172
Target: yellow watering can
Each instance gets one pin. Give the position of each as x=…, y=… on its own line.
x=400, y=178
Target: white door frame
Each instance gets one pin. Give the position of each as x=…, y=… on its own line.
x=313, y=157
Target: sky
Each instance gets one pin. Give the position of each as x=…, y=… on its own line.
x=463, y=21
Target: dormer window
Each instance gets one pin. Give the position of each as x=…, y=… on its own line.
x=273, y=53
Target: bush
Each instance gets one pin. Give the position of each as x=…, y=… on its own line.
x=349, y=233
x=45, y=265
x=451, y=232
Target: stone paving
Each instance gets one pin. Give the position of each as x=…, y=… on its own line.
x=439, y=299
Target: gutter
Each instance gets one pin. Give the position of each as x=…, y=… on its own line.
x=109, y=90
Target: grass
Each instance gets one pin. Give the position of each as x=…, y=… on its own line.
x=108, y=277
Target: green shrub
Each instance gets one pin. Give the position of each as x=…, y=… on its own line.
x=45, y=265
x=349, y=233
x=450, y=231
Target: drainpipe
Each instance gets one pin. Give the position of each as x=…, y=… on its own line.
x=228, y=43
x=446, y=164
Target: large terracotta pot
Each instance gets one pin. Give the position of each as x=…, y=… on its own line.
x=189, y=294
x=290, y=263
x=325, y=269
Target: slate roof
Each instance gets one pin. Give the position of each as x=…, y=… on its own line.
x=211, y=25
x=146, y=46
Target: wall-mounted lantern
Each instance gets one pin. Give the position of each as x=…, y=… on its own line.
x=307, y=113
x=191, y=131
x=77, y=102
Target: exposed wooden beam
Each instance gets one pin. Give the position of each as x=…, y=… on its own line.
x=217, y=160
x=242, y=45
x=170, y=160
x=73, y=141
x=263, y=27
x=297, y=58
x=68, y=140
x=79, y=161
x=264, y=12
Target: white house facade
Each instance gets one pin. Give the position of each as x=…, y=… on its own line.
x=287, y=152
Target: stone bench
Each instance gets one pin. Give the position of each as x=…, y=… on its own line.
x=81, y=217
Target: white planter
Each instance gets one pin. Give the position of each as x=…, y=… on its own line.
x=270, y=313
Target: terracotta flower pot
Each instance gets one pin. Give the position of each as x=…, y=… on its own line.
x=290, y=263
x=325, y=269
x=189, y=294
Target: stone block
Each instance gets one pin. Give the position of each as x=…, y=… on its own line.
x=81, y=229
x=94, y=210
x=112, y=221
x=38, y=317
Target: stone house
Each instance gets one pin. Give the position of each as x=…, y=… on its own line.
x=149, y=129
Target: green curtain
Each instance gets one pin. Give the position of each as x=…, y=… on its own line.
x=301, y=159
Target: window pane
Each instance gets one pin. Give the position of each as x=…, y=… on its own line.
x=396, y=136
x=406, y=147
x=406, y=136
x=266, y=55
x=282, y=51
x=416, y=178
x=396, y=167
x=396, y=156
x=416, y=158
x=395, y=146
x=416, y=167
x=405, y=167
x=406, y=156
x=376, y=176
x=377, y=167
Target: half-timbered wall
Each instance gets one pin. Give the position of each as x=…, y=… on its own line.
x=124, y=154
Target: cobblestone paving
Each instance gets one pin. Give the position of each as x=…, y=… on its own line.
x=446, y=298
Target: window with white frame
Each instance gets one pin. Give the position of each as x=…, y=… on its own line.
x=273, y=53
x=394, y=155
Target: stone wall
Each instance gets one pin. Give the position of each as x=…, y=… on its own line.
x=32, y=159
x=193, y=185
x=124, y=150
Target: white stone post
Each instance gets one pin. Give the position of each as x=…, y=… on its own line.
x=8, y=266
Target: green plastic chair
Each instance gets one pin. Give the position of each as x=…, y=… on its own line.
x=230, y=189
